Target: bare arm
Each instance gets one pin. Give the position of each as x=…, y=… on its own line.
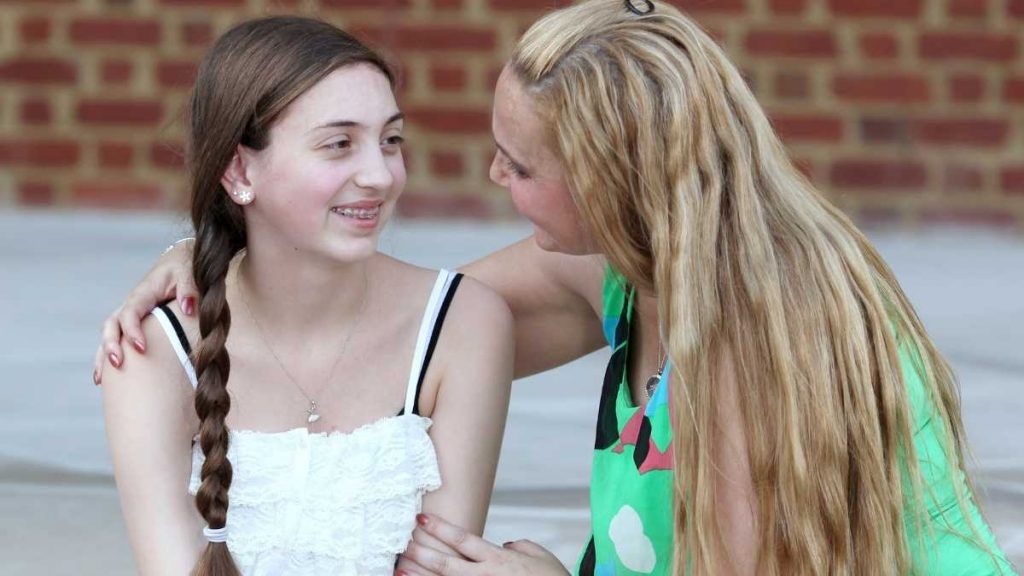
x=469, y=410
x=150, y=424
x=735, y=499
x=555, y=300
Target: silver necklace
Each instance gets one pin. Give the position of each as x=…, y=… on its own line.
x=654, y=379
x=312, y=413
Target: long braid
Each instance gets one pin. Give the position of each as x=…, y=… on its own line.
x=212, y=258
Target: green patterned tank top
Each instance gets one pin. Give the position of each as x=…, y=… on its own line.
x=631, y=478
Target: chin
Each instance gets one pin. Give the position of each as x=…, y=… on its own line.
x=548, y=243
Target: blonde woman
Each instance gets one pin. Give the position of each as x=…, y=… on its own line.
x=773, y=405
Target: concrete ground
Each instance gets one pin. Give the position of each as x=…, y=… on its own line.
x=61, y=273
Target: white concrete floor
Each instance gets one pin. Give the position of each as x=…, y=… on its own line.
x=61, y=273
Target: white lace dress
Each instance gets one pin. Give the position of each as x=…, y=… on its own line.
x=342, y=504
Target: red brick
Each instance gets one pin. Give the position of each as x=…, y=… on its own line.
x=450, y=121
x=176, y=73
x=35, y=194
x=116, y=71
x=438, y=205
x=885, y=130
x=965, y=216
x=448, y=78
x=877, y=8
x=879, y=45
x=1012, y=180
x=204, y=3
x=788, y=6
x=709, y=6
x=196, y=33
x=804, y=43
x=447, y=164
x=27, y=70
x=435, y=38
x=1013, y=89
x=794, y=128
x=167, y=155
x=107, y=194
x=895, y=88
x=120, y=112
x=35, y=30
x=115, y=31
x=527, y=4
x=36, y=111
x=39, y=153
x=968, y=45
x=385, y=4
x=966, y=88
x=973, y=132
x=1016, y=8
x=878, y=174
x=792, y=85
x=968, y=8
x=115, y=155
x=447, y=4
x=961, y=178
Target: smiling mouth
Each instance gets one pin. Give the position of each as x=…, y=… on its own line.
x=358, y=213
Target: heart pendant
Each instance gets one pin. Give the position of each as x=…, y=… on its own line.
x=313, y=418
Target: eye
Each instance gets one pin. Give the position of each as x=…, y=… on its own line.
x=394, y=141
x=339, y=145
x=515, y=169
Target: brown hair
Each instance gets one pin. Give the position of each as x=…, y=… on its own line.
x=687, y=190
x=252, y=73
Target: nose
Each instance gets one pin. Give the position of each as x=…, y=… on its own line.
x=497, y=172
x=373, y=171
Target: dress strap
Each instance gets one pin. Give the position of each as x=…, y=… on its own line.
x=430, y=330
x=176, y=334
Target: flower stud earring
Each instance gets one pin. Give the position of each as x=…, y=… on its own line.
x=243, y=196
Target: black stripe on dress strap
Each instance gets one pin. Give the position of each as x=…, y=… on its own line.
x=434, y=336
x=177, y=328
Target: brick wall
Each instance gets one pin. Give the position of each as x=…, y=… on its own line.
x=905, y=111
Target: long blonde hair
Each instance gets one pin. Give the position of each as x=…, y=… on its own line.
x=688, y=192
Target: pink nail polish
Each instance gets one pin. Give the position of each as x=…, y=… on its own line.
x=138, y=345
x=115, y=360
x=95, y=378
x=186, y=306
x=422, y=519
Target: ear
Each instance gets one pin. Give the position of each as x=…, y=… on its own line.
x=236, y=178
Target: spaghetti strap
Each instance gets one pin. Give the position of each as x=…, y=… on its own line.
x=176, y=334
x=430, y=330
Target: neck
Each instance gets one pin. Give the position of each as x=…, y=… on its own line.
x=297, y=296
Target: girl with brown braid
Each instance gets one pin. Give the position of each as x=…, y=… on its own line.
x=297, y=407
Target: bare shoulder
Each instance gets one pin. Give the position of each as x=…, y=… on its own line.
x=476, y=306
x=156, y=378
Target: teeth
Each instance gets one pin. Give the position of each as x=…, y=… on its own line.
x=360, y=213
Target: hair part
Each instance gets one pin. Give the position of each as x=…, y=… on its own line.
x=688, y=192
x=246, y=80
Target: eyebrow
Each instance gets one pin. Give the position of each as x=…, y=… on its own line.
x=511, y=159
x=351, y=123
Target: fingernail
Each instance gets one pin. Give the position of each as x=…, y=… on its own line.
x=401, y=573
x=186, y=306
x=115, y=360
x=139, y=346
x=96, y=377
x=506, y=544
x=422, y=519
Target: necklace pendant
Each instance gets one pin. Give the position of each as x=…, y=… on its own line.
x=312, y=415
x=652, y=384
